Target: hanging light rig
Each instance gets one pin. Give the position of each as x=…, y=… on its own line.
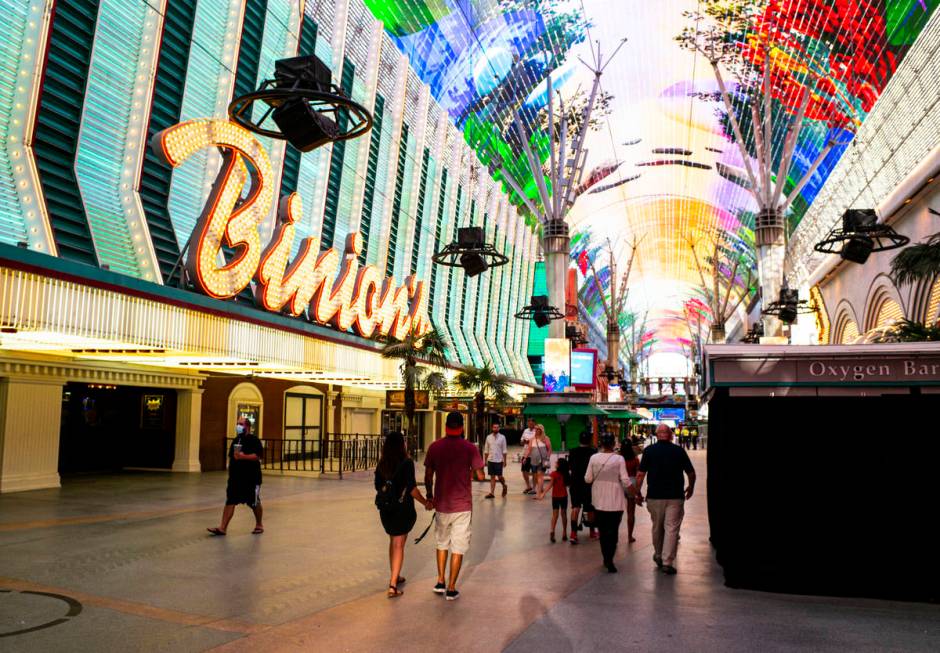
x=470, y=252
x=306, y=109
x=860, y=236
x=540, y=312
x=788, y=306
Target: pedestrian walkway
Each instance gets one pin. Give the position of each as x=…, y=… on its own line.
x=123, y=563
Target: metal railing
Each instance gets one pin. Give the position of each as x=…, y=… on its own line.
x=336, y=453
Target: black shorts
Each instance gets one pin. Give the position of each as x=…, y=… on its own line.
x=526, y=465
x=559, y=503
x=494, y=469
x=581, y=497
x=240, y=492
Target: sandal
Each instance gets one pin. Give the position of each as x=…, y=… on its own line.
x=401, y=580
x=394, y=592
x=216, y=531
x=258, y=531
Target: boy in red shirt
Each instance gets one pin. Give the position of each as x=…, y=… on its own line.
x=561, y=479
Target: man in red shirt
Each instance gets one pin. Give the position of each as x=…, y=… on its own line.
x=452, y=459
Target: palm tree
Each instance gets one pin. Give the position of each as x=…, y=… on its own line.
x=430, y=347
x=908, y=331
x=917, y=262
x=488, y=384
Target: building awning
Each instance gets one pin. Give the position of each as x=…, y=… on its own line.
x=562, y=409
x=622, y=414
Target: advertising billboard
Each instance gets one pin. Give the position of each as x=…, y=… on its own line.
x=583, y=368
x=557, y=375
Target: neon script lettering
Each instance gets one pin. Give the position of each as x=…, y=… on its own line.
x=329, y=287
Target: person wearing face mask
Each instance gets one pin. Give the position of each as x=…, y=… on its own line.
x=244, y=477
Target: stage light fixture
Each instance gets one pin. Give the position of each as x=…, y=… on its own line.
x=860, y=236
x=305, y=106
x=788, y=306
x=470, y=252
x=539, y=311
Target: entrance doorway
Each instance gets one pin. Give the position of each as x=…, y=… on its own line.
x=107, y=427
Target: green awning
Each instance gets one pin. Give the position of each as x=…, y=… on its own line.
x=622, y=414
x=562, y=409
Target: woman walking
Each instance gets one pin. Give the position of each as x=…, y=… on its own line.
x=607, y=474
x=539, y=453
x=632, y=462
x=396, y=492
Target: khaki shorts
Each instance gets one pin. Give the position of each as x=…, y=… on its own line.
x=452, y=531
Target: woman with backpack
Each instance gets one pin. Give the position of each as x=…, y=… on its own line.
x=539, y=453
x=396, y=491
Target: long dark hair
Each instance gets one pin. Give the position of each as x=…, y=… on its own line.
x=562, y=467
x=393, y=453
x=627, y=450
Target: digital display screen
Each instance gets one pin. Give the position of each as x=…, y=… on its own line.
x=613, y=394
x=557, y=375
x=582, y=367
x=669, y=414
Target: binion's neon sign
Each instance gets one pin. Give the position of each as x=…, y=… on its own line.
x=329, y=287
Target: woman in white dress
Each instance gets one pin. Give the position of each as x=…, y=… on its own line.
x=607, y=474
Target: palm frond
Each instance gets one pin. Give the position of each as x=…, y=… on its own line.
x=433, y=347
x=467, y=379
x=917, y=262
x=435, y=382
x=396, y=349
x=910, y=331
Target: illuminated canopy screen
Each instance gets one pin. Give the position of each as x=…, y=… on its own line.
x=665, y=168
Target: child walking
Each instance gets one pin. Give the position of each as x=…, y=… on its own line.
x=561, y=479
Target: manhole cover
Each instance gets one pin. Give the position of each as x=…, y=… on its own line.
x=26, y=612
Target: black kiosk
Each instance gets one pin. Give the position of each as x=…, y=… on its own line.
x=824, y=468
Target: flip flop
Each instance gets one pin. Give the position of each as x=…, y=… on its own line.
x=216, y=531
x=257, y=531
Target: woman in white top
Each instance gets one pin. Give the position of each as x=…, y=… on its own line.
x=607, y=474
x=539, y=453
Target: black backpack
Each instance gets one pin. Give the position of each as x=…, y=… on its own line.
x=385, y=498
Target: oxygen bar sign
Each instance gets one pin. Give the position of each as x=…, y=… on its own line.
x=330, y=287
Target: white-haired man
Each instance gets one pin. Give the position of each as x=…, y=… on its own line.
x=664, y=463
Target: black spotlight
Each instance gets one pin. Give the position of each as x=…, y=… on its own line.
x=308, y=110
x=857, y=249
x=787, y=313
x=473, y=264
x=303, y=127
x=470, y=252
x=860, y=236
x=539, y=311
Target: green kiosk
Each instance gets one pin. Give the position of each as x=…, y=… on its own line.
x=563, y=414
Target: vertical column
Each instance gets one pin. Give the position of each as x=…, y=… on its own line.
x=30, y=418
x=188, y=422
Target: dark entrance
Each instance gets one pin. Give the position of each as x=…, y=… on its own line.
x=107, y=428
x=822, y=468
